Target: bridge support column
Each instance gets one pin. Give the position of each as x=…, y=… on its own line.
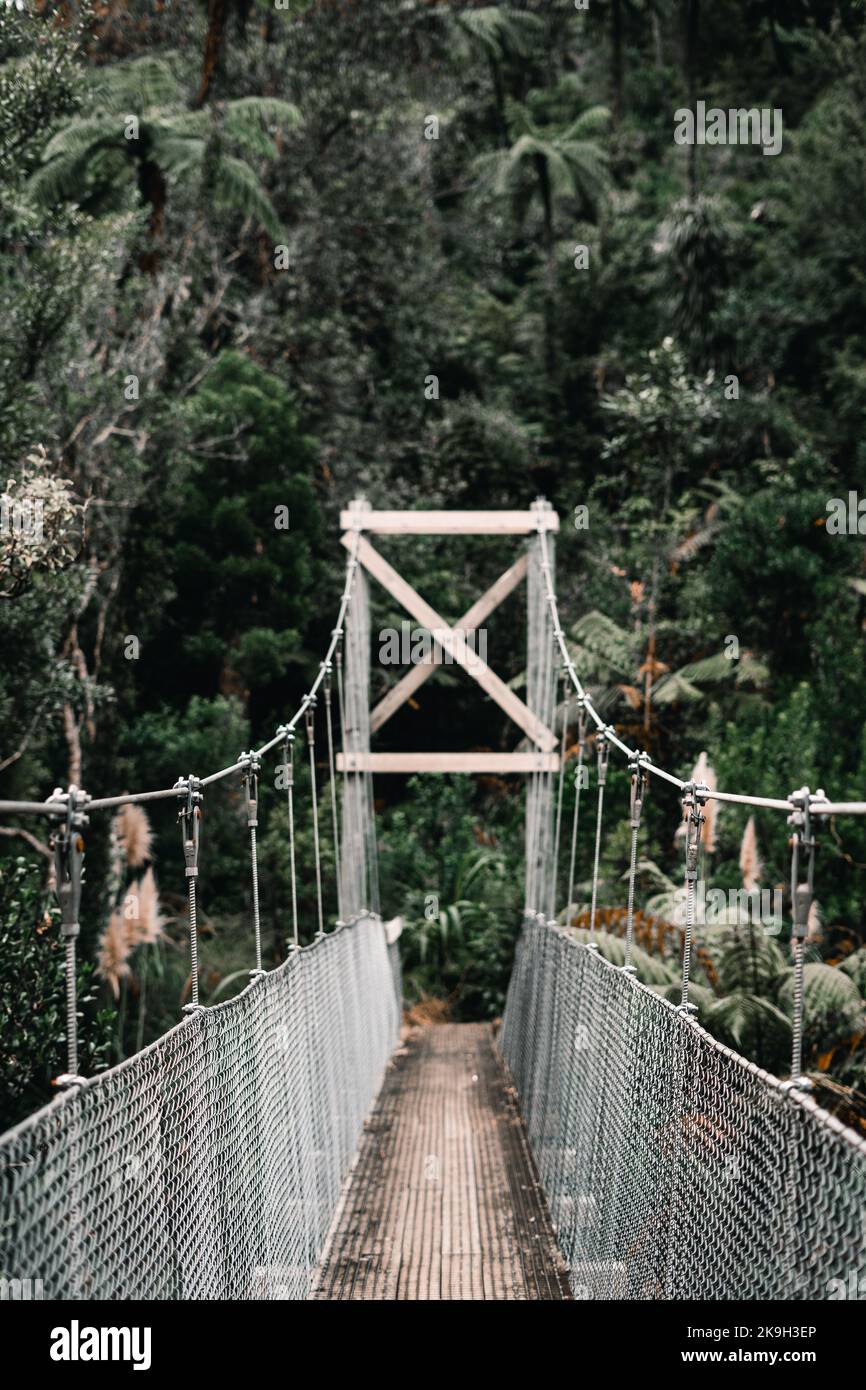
x=541, y=699
x=359, y=866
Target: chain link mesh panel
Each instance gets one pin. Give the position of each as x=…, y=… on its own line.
x=210, y=1164
x=673, y=1168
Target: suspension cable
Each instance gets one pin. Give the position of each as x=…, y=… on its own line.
x=189, y=793
x=333, y=784
x=824, y=807
x=639, y=788
x=857, y=808
x=558, y=829
x=68, y=875
x=311, y=743
x=578, y=783
x=289, y=736
x=803, y=838
x=341, y=715
x=45, y=808
x=251, y=798
x=603, y=751
x=694, y=797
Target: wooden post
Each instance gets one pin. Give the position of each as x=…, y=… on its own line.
x=360, y=891
x=541, y=698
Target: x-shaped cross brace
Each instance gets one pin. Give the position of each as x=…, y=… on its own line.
x=452, y=642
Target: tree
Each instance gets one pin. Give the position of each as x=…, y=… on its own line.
x=137, y=125
x=563, y=164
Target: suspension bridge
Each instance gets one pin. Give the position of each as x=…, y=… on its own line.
x=293, y=1142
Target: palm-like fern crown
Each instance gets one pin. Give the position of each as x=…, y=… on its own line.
x=501, y=33
x=574, y=162
x=175, y=138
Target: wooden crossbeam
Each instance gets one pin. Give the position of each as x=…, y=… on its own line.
x=449, y=523
x=472, y=618
x=453, y=643
x=448, y=762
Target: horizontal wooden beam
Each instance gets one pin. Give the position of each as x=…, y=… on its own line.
x=448, y=523
x=448, y=762
x=472, y=618
x=453, y=643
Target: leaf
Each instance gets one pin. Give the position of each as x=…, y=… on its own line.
x=672, y=688
x=237, y=189
x=602, y=636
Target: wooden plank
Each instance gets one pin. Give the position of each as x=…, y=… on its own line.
x=444, y=1199
x=518, y=523
x=453, y=643
x=472, y=618
x=448, y=762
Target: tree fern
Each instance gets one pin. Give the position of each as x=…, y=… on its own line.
x=236, y=188
x=833, y=1010
x=608, y=642
x=501, y=32
x=753, y=1026
x=855, y=968
x=179, y=142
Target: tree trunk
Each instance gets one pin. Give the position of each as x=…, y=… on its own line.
x=152, y=190
x=691, y=10
x=549, y=267
x=217, y=20
x=616, y=60
x=658, y=48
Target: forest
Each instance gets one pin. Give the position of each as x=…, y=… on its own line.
x=259, y=259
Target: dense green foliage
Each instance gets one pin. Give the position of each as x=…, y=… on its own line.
x=233, y=312
x=32, y=1013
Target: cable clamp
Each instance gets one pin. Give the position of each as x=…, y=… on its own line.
x=603, y=750
x=582, y=702
x=68, y=810
x=251, y=763
x=309, y=719
x=693, y=798
x=639, y=787
x=798, y=1083
x=67, y=1081
x=288, y=753
x=800, y=800
x=191, y=797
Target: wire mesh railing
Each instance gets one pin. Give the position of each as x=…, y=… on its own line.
x=674, y=1169
x=209, y=1165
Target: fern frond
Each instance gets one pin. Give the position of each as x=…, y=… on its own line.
x=245, y=112
x=594, y=121
x=710, y=668
x=603, y=637
x=673, y=688
x=137, y=85
x=236, y=188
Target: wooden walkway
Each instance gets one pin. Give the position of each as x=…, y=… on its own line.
x=444, y=1200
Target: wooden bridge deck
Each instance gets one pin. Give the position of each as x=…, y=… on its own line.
x=444, y=1200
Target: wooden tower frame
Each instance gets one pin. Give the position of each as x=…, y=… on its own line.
x=359, y=518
